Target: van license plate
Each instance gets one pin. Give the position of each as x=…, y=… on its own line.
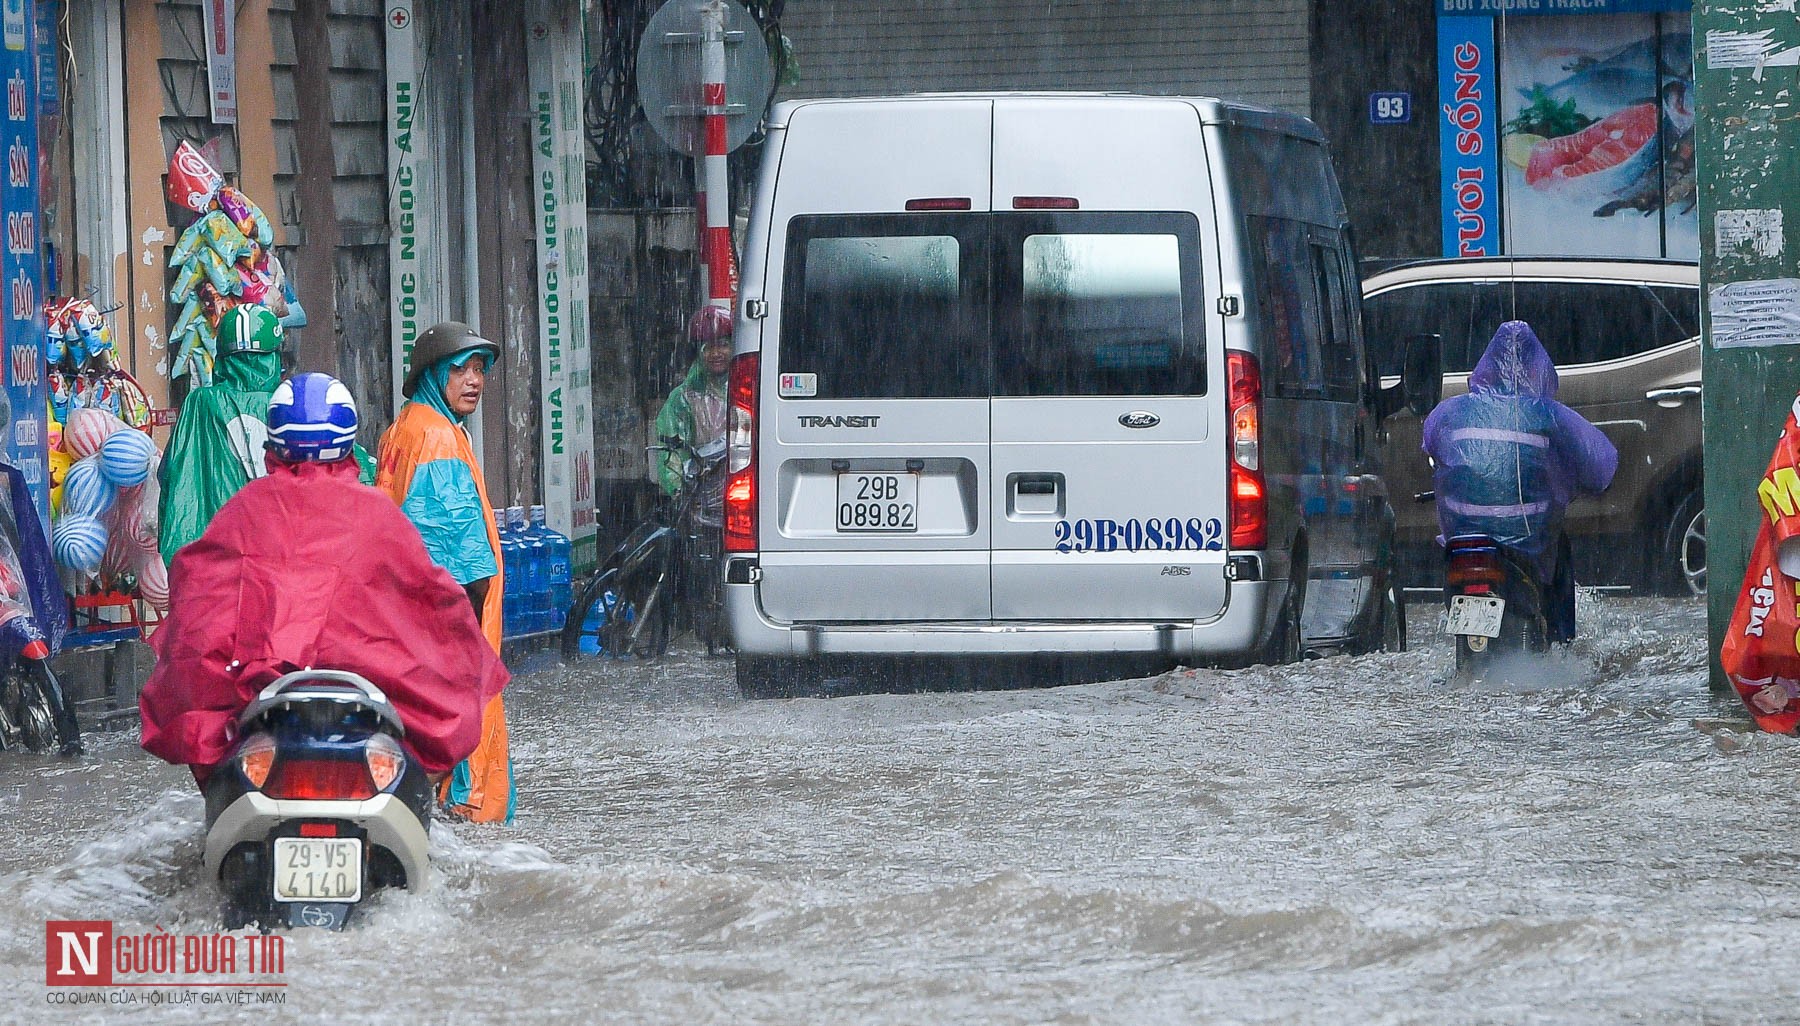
x=878, y=502
x=318, y=869
x=1476, y=614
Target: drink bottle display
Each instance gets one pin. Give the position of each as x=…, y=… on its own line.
x=534, y=586
x=513, y=573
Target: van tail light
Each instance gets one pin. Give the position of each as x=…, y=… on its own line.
x=1249, y=492
x=740, y=449
x=940, y=203
x=1046, y=203
x=321, y=780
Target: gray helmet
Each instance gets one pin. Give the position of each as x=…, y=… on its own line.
x=444, y=339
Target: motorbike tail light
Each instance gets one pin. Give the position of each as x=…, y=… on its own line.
x=1249, y=497
x=386, y=760
x=321, y=780
x=740, y=486
x=35, y=650
x=1474, y=567
x=255, y=759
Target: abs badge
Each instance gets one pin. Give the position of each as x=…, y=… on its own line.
x=1139, y=419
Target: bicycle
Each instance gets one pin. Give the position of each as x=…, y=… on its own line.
x=671, y=560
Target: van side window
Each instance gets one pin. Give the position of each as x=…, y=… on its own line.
x=887, y=307
x=1291, y=301
x=1340, y=348
x=1097, y=304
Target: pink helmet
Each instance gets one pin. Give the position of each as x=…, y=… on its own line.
x=709, y=323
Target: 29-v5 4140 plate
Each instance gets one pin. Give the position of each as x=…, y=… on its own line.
x=318, y=869
x=1476, y=614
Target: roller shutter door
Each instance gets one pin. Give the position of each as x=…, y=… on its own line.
x=1255, y=50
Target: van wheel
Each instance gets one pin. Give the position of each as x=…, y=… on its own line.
x=1284, y=644
x=759, y=677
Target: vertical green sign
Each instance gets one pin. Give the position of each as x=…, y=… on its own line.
x=1748, y=150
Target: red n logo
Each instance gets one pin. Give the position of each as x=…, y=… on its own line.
x=78, y=953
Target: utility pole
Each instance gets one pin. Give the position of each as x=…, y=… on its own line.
x=1746, y=70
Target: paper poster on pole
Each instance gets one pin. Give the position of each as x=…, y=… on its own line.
x=553, y=49
x=219, y=19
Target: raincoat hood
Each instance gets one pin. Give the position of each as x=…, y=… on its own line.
x=248, y=372
x=435, y=382
x=1515, y=364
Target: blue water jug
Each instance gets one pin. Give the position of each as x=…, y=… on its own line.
x=534, y=586
x=557, y=566
x=598, y=615
x=513, y=573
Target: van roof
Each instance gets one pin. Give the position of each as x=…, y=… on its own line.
x=1212, y=109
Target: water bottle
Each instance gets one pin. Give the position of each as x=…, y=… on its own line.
x=557, y=566
x=513, y=572
x=534, y=587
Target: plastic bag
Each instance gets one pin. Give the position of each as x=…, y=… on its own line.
x=1760, y=654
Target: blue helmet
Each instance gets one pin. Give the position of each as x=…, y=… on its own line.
x=311, y=417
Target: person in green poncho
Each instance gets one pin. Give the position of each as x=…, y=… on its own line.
x=695, y=409
x=217, y=446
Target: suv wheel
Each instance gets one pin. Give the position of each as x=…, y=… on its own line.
x=1684, y=546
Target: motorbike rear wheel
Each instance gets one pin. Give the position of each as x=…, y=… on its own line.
x=36, y=711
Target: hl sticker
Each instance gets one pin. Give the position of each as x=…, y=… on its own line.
x=798, y=386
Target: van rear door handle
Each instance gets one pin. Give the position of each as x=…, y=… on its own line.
x=1673, y=396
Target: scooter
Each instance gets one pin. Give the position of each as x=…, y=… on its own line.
x=34, y=712
x=1495, y=601
x=318, y=806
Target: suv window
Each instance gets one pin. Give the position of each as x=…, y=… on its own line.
x=1581, y=322
x=1098, y=304
x=1578, y=322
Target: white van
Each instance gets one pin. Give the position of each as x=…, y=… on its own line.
x=1027, y=374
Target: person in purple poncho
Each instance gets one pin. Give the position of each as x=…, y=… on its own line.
x=1508, y=459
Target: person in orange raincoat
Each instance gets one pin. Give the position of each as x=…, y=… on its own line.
x=1761, y=653
x=427, y=466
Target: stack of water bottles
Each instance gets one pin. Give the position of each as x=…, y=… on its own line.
x=537, y=566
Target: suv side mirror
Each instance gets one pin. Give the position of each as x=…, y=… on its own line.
x=1421, y=379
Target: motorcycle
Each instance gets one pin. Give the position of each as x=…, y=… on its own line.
x=318, y=806
x=1496, y=601
x=34, y=712
x=672, y=561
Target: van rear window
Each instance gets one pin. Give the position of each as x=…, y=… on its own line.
x=887, y=307
x=968, y=305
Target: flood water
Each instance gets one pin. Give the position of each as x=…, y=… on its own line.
x=1349, y=840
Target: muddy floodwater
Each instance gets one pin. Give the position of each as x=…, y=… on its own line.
x=1345, y=841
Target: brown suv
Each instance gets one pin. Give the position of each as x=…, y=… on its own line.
x=1625, y=338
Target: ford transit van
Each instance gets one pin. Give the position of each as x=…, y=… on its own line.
x=1029, y=374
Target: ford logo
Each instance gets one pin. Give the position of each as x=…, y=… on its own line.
x=1139, y=419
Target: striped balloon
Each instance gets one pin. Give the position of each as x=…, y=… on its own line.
x=86, y=491
x=153, y=582
x=125, y=457
x=79, y=542
x=87, y=429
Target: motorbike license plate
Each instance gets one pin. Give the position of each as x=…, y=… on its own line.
x=878, y=502
x=1476, y=614
x=318, y=868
